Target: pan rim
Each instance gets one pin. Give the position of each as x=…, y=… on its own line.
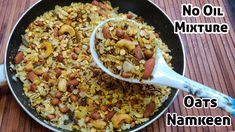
x=50, y=126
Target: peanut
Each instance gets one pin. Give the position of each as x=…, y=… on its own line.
x=33, y=87
x=148, y=68
x=58, y=94
x=74, y=56
x=94, y=2
x=156, y=35
x=73, y=82
x=102, y=13
x=39, y=23
x=138, y=53
x=55, y=101
x=95, y=115
x=60, y=58
x=119, y=32
x=148, y=54
x=102, y=6
x=109, y=115
x=32, y=76
x=126, y=74
x=50, y=117
x=58, y=72
x=73, y=98
x=103, y=108
x=19, y=57
x=33, y=46
x=106, y=33
x=63, y=109
x=149, y=109
x=126, y=36
x=68, y=22
x=87, y=119
x=77, y=50
x=46, y=76
x=129, y=15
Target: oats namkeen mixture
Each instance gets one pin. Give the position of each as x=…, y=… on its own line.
x=67, y=88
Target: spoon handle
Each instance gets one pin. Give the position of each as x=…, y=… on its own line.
x=164, y=75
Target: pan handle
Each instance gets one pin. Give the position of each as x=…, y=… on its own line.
x=3, y=81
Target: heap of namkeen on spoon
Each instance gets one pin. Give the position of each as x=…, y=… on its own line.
x=128, y=49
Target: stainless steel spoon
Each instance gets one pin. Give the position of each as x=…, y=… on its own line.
x=164, y=75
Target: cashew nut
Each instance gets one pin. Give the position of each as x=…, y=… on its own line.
x=100, y=124
x=118, y=118
x=126, y=43
x=67, y=29
x=48, y=47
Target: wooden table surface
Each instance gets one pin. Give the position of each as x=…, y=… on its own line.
x=210, y=60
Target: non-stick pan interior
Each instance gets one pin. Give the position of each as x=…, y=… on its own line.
x=151, y=14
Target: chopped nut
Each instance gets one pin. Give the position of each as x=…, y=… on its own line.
x=29, y=67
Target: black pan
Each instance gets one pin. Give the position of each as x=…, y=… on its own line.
x=151, y=13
